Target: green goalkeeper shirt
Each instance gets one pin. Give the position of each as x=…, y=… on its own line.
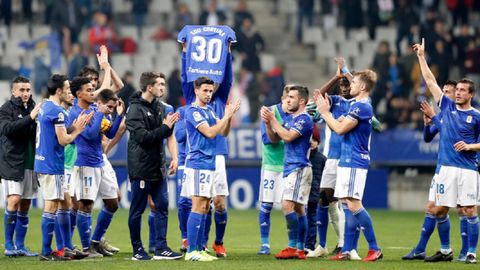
x=70, y=156
x=273, y=153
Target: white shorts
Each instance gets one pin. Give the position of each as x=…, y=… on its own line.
x=431, y=191
x=93, y=182
x=350, y=182
x=70, y=182
x=108, y=168
x=198, y=183
x=27, y=188
x=271, y=187
x=329, y=175
x=297, y=185
x=220, y=185
x=456, y=186
x=52, y=186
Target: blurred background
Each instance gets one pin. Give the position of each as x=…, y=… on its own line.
x=279, y=41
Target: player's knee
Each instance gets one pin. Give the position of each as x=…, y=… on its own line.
x=266, y=207
x=85, y=206
x=13, y=201
x=324, y=198
x=441, y=212
x=430, y=208
x=219, y=204
x=469, y=211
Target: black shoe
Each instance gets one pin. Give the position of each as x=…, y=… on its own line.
x=75, y=254
x=99, y=249
x=141, y=255
x=336, y=250
x=54, y=257
x=166, y=254
x=440, y=257
x=471, y=258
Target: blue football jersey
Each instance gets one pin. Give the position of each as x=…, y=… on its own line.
x=297, y=152
x=181, y=136
x=49, y=153
x=263, y=127
x=458, y=125
x=207, y=49
x=201, y=150
x=356, y=143
x=333, y=142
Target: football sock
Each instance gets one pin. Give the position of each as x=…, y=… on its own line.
x=21, y=229
x=264, y=221
x=183, y=213
x=151, y=229
x=464, y=233
x=9, y=222
x=350, y=230
x=302, y=231
x=322, y=224
x=292, y=228
x=208, y=225
x=58, y=235
x=193, y=227
x=48, y=226
x=201, y=232
x=356, y=236
x=472, y=234
x=365, y=222
x=84, y=221
x=103, y=221
x=337, y=219
x=220, y=225
x=443, y=226
x=63, y=221
x=428, y=227
x=73, y=220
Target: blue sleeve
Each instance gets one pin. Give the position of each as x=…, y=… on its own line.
x=58, y=118
x=231, y=36
x=302, y=124
x=182, y=36
x=445, y=103
x=429, y=133
x=360, y=111
x=224, y=89
x=194, y=117
x=263, y=131
x=180, y=132
x=437, y=123
x=168, y=109
x=187, y=87
x=334, y=101
x=93, y=129
x=113, y=130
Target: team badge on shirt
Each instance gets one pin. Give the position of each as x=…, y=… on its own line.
x=196, y=116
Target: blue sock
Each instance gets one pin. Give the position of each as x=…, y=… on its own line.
x=428, y=227
x=356, y=236
x=350, y=230
x=48, y=226
x=103, y=221
x=322, y=224
x=184, y=209
x=365, y=222
x=193, y=226
x=472, y=234
x=84, y=221
x=292, y=228
x=21, y=229
x=264, y=221
x=9, y=222
x=302, y=231
x=208, y=225
x=220, y=225
x=201, y=233
x=151, y=229
x=443, y=226
x=63, y=221
x=73, y=220
x=58, y=235
x=464, y=234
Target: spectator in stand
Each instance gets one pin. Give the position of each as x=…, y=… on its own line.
x=305, y=11
x=77, y=61
x=407, y=21
x=27, y=13
x=67, y=20
x=6, y=12
x=459, y=10
x=102, y=33
x=241, y=12
x=212, y=16
x=353, y=16
x=428, y=25
x=381, y=65
x=461, y=43
x=373, y=19
x=174, y=91
x=442, y=61
x=396, y=78
x=139, y=10
x=276, y=83
x=106, y=7
x=128, y=88
x=472, y=60
x=249, y=43
x=184, y=16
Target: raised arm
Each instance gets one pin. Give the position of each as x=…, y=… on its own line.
x=426, y=72
x=221, y=125
x=287, y=135
x=347, y=124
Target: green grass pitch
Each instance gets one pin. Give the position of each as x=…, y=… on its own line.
x=397, y=233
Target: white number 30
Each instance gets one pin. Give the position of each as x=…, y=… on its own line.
x=212, y=50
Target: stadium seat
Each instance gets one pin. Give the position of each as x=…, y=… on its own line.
x=147, y=46
x=12, y=48
x=40, y=30
x=267, y=61
x=347, y=49
x=325, y=49
x=161, y=6
x=386, y=33
x=20, y=32
x=122, y=7
x=129, y=31
x=287, y=6
x=171, y=47
x=121, y=62
x=312, y=35
x=4, y=91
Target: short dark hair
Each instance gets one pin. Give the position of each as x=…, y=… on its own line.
x=203, y=80
x=149, y=78
x=76, y=84
x=88, y=70
x=302, y=91
x=344, y=81
x=54, y=82
x=106, y=95
x=20, y=79
x=471, y=84
x=451, y=82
